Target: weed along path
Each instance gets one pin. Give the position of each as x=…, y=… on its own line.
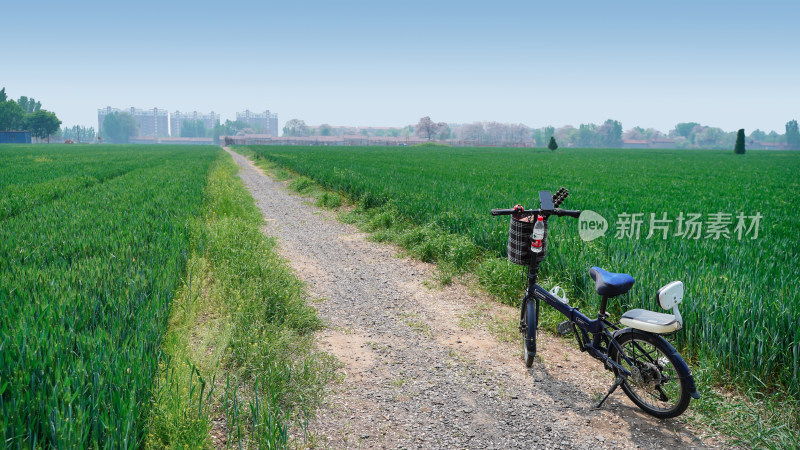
x=421, y=366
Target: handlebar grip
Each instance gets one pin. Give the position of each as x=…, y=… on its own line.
x=503, y=212
x=568, y=212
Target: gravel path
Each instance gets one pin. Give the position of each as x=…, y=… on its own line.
x=421, y=369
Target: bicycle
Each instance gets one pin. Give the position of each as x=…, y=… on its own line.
x=650, y=370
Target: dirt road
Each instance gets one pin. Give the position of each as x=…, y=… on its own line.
x=421, y=368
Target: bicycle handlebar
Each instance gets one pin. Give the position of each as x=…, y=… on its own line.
x=549, y=204
x=503, y=212
x=550, y=212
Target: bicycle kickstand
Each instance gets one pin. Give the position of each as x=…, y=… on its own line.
x=620, y=379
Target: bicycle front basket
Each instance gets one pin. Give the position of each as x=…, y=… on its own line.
x=519, y=240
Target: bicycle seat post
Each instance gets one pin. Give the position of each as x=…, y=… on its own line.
x=596, y=338
x=603, y=303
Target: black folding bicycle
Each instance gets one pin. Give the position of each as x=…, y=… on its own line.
x=651, y=372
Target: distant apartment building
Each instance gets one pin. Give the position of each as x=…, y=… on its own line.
x=177, y=118
x=152, y=122
x=266, y=121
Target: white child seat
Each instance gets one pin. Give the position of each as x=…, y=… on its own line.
x=669, y=297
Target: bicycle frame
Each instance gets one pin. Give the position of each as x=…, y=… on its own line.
x=597, y=327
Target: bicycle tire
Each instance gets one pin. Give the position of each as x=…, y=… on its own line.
x=529, y=320
x=657, y=383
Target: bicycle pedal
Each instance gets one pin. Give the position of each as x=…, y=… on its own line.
x=565, y=328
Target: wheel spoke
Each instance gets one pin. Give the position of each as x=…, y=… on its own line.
x=663, y=396
x=651, y=381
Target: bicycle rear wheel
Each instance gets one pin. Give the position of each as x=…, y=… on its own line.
x=656, y=384
x=530, y=320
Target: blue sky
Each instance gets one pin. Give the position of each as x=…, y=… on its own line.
x=728, y=64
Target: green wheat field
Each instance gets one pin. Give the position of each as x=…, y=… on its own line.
x=742, y=306
x=93, y=244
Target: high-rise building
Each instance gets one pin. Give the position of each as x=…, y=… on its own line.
x=268, y=123
x=176, y=119
x=152, y=122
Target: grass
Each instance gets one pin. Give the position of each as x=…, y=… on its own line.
x=243, y=320
x=481, y=316
x=742, y=303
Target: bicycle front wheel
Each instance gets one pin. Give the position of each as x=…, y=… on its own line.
x=529, y=323
x=656, y=384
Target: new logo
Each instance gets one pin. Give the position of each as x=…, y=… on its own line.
x=591, y=225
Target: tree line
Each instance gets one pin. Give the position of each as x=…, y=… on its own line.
x=197, y=128
x=26, y=114
x=78, y=134
x=299, y=128
x=683, y=135
x=610, y=134
x=695, y=135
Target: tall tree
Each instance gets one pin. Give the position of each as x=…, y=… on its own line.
x=758, y=135
x=634, y=133
x=445, y=133
x=473, y=132
x=685, y=128
x=610, y=134
x=552, y=145
x=30, y=105
x=296, y=127
x=193, y=128
x=78, y=133
x=739, y=148
x=42, y=124
x=427, y=128
x=118, y=127
x=710, y=137
x=12, y=116
x=566, y=134
x=792, y=135
x=187, y=128
x=549, y=132
x=229, y=128
x=519, y=133
x=496, y=132
x=536, y=134
x=3, y=96
x=587, y=135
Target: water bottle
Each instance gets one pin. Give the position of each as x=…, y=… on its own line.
x=538, y=235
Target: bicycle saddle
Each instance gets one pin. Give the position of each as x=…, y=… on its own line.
x=609, y=284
